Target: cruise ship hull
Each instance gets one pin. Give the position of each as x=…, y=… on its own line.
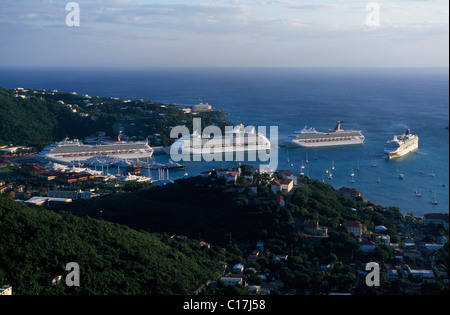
x=310, y=138
x=305, y=144
x=237, y=141
x=401, y=145
x=81, y=159
x=401, y=151
x=68, y=151
x=186, y=149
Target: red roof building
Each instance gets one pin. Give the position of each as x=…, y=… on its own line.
x=350, y=191
x=436, y=219
x=355, y=227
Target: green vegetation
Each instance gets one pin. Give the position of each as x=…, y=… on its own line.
x=206, y=208
x=37, y=118
x=114, y=259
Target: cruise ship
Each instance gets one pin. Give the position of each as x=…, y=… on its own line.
x=67, y=150
x=237, y=140
x=401, y=145
x=309, y=137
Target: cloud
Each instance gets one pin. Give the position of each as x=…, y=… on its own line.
x=222, y=31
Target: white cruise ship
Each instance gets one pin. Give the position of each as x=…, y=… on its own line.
x=67, y=150
x=237, y=140
x=309, y=137
x=401, y=145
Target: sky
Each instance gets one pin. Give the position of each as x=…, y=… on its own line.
x=225, y=33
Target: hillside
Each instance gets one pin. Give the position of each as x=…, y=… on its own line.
x=201, y=205
x=39, y=117
x=113, y=259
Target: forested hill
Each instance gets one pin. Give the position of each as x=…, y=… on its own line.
x=39, y=117
x=36, y=121
x=114, y=259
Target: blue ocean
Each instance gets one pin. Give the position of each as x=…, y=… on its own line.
x=381, y=102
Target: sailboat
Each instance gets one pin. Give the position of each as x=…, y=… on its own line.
x=378, y=180
x=434, y=201
x=352, y=173
x=332, y=165
x=307, y=161
x=330, y=175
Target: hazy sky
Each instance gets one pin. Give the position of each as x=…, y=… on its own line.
x=132, y=33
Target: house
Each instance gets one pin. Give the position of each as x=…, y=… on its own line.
x=3, y=189
x=47, y=200
x=207, y=173
x=73, y=177
x=367, y=246
x=275, y=186
x=231, y=177
x=32, y=169
x=6, y=290
x=442, y=271
x=355, y=227
x=380, y=228
x=425, y=275
x=254, y=288
x=280, y=200
x=383, y=239
x=352, y=192
x=439, y=219
x=312, y=227
x=287, y=184
x=87, y=195
x=280, y=258
x=202, y=107
x=19, y=188
x=253, y=255
x=54, y=280
x=392, y=275
x=287, y=174
x=72, y=194
x=238, y=268
x=231, y=281
x=266, y=170
x=222, y=264
x=412, y=253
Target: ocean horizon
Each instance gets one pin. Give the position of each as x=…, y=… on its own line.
x=381, y=102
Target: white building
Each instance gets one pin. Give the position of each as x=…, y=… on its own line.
x=436, y=219
x=383, y=239
x=6, y=290
x=392, y=274
x=230, y=281
x=238, y=268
